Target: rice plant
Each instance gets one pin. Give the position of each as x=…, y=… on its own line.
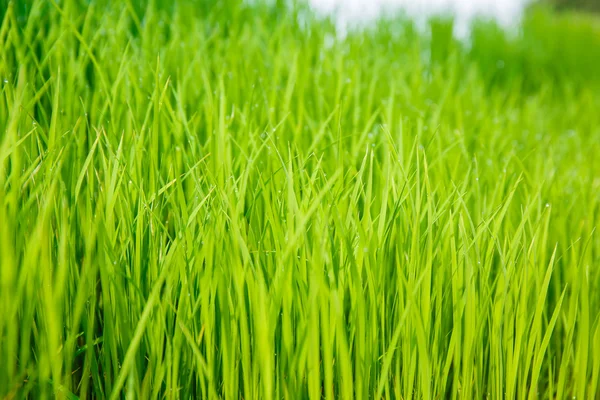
x=229, y=200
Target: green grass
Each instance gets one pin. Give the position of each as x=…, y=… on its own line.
x=220, y=201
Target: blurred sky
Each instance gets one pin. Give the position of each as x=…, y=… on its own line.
x=352, y=12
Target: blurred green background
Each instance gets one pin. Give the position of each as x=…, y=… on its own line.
x=588, y=5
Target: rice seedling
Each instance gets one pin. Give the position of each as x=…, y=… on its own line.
x=225, y=200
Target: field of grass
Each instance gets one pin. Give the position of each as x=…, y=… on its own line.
x=220, y=200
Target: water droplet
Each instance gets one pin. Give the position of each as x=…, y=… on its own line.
x=547, y=205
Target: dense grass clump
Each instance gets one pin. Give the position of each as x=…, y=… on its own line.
x=224, y=200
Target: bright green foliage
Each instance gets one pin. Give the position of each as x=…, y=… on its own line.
x=223, y=201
